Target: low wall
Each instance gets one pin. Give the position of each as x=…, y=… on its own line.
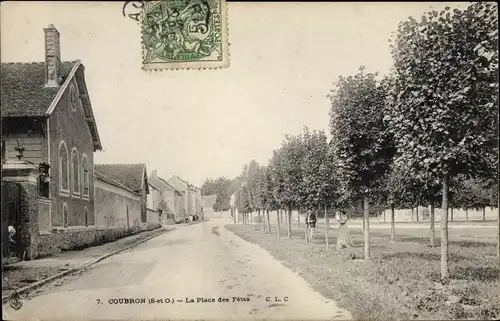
x=70, y=240
x=405, y=215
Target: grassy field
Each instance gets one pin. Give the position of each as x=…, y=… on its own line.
x=401, y=281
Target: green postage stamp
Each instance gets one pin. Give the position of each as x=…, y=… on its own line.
x=184, y=34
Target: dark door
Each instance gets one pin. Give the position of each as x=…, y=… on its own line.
x=11, y=215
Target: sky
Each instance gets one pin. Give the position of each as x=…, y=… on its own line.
x=198, y=124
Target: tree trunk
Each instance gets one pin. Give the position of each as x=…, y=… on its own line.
x=433, y=230
x=451, y=214
x=498, y=243
x=268, y=221
x=306, y=233
x=484, y=213
x=416, y=213
x=367, y=227
x=384, y=216
x=393, y=225
x=466, y=214
x=281, y=217
x=327, y=227
x=298, y=219
x=278, y=228
x=289, y=222
x=412, y=209
x=258, y=219
x=444, y=233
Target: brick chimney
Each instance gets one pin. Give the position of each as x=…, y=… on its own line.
x=53, y=70
x=154, y=173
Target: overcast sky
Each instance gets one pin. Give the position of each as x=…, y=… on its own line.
x=208, y=123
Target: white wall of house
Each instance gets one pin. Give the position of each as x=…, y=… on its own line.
x=154, y=197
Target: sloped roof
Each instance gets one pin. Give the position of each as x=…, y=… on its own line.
x=110, y=181
x=208, y=201
x=166, y=183
x=23, y=88
x=130, y=175
x=176, y=182
x=156, y=180
x=24, y=94
x=186, y=182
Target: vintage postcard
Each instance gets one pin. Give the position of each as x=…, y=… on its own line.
x=204, y=160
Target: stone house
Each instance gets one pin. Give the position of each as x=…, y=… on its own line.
x=49, y=136
x=192, y=195
x=172, y=198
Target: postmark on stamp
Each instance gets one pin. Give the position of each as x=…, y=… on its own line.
x=184, y=34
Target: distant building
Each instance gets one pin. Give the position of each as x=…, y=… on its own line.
x=173, y=199
x=191, y=195
x=207, y=205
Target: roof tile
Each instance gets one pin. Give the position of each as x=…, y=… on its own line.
x=23, y=88
x=130, y=175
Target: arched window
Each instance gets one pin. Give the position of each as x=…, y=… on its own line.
x=73, y=97
x=85, y=176
x=65, y=214
x=63, y=167
x=75, y=171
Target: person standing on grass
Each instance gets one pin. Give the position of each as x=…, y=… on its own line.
x=311, y=224
x=343, y=239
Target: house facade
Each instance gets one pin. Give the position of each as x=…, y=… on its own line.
x=154, y=197
x=173, y=199
x=47, y=122
x=192, y=195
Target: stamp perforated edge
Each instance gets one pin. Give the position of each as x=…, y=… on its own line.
x=194, y=65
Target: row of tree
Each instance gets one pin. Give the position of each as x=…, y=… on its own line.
x=426, y=133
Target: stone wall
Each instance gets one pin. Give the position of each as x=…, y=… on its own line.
x=67, y=240
x=116, y=207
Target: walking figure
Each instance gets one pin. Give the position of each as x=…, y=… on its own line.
x=311, y=225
